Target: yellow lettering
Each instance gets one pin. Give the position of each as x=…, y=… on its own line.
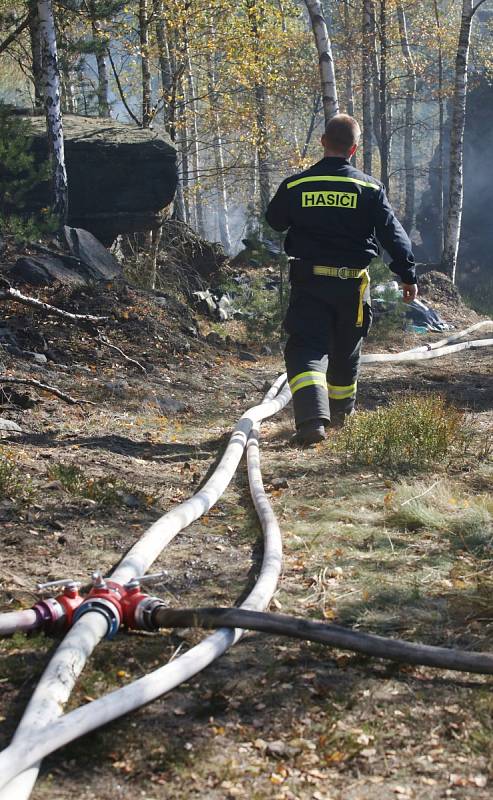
x=330, y=199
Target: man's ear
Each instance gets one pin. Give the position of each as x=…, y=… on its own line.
x=323, y=140
x=353, y=150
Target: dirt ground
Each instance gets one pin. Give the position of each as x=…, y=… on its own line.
x=272, y=718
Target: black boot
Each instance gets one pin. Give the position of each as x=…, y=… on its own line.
x=310, y=432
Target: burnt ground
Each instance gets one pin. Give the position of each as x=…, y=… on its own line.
x=273, y=718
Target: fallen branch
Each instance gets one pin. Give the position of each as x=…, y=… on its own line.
x=52, y=389
x=32, y=301
x=104, y=340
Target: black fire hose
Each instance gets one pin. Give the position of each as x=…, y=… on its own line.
x=325, y=633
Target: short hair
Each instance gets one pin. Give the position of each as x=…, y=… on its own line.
x=342, y=132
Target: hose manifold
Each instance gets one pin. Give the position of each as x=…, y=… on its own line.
x=105, y=607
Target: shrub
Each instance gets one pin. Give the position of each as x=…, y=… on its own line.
x=14, y=484
x=19, y=175
x=409, y=434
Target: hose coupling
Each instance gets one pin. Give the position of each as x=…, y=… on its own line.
x=108, y=608
x=51, y=614
x=144, y=613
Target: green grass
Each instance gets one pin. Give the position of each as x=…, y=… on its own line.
x=105, y=491
x=14, y=483
x=411, y=434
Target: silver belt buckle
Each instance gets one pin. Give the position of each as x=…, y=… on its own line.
x=342, y=273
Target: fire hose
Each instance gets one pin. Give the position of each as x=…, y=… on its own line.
x=42, y=730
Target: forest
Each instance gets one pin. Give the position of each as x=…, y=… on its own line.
x=201, y=597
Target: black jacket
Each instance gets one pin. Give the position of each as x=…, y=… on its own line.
x=334, y=215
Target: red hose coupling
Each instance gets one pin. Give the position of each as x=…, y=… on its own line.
x=130, y=602
x=70, y=601
x=110, y=591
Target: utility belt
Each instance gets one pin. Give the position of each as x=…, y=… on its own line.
x=300, y=270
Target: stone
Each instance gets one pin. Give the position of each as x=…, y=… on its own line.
x=40, y=358
x=90, y=263
x=168, y=405
x=266, y=350
x=8, y=425
x=45, y=271
x=121, y=178
x=245, y=356
x=95, y=257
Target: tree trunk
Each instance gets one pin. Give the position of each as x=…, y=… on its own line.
x=456, y=188
x=317, y=105
x=144, y=63
x=408, y=219
x=100, y=41
x=375, y=67
x=51, y=91
x=366, y=81
x=165, y=66
x=255, y=15
x=36, y=55
x=383, y=97
x=325, y=59
x=222, y=208
x=349, y=92
x=441, y=119
x=192, y=99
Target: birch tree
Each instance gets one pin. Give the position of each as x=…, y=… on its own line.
x=144, y=63
x=456, y=188
x=325, y=59
x=366, y=78
x=51, y=90
x=408, y=217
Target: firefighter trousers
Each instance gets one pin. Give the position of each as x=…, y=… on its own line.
x=325, y=325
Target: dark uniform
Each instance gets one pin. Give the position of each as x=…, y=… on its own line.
x=334, y=215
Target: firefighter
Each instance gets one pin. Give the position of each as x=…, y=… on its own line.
x=334, y=215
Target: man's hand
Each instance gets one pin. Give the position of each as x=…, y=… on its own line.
x=409, y=292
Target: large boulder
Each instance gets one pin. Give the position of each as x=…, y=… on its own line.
x=121, y=178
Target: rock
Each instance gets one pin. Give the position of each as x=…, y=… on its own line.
x=94, y=256
x=244, y=356
x=40, y=358
x=91, y=262
x=214, y=339
x=120, y=177
x=45, y=271
x=8, y=425
x=266, y=350
x=168, y=405
x=279, y=483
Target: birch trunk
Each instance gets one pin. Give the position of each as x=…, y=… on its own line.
x=441, y=119
x=51, y=92
x=36, y=55
x=383, y=97
x=409, y=203
x=349, y=93
x=144, y=63
x=101, y=43
x=260, y=98
x=222, y=208
x=192, y=99
x=456, y=189
x=325, y=59
x=375, y=70
x=366, y=79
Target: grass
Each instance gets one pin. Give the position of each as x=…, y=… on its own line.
x=443, y=507
x=411, y=434
x=14, y=483
x=105, y=491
